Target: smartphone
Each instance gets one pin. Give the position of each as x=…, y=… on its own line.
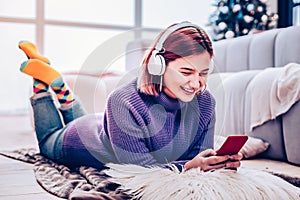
x=232, y=145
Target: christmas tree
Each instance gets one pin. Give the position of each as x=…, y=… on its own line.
x=234, y=18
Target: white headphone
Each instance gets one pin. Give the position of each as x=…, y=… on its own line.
x=157, y=64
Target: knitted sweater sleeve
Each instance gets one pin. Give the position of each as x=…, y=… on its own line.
x=127, y=130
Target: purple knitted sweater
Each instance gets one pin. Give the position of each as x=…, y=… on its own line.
x=141, y=129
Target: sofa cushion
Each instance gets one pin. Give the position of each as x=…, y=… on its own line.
x=135, y=51
x=261, y=50
x=220, y=55
x=92, y=89
x=287, y=46
x=272, y=48
x=216, y=88
x=229, y=91
x=237, y=55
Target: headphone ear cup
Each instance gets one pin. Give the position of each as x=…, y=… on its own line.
x=157, y=64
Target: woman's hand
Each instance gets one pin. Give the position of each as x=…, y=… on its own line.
x=207, y=160
x=234, y=161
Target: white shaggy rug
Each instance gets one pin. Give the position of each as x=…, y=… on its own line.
x=159, y=183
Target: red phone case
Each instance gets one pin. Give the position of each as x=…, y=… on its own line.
x=232, y=145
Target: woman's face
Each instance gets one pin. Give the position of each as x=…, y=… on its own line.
x=184, y=77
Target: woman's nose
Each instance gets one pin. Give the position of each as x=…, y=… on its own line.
x=197, y=82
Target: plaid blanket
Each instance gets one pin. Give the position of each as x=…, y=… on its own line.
x=75, y=184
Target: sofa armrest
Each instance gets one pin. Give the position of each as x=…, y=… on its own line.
x=291, y=134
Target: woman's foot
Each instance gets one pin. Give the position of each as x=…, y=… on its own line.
x=42, y=71
x=45, y=75
x=31, y=51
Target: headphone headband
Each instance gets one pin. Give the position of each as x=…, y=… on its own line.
x=160, y=43
x=157, y=64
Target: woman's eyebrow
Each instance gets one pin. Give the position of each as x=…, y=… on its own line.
x=204, y=70
x=192, y=69
x=187, y=68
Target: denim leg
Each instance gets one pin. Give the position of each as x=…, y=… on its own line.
x=72, y=111
x=52, y=147
x=48, y=125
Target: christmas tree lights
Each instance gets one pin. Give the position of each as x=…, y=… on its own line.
x=234, y=18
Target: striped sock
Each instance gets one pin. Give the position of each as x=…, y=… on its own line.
x=31, y=51
x=39, y=86
x=39, y=68
x=64, y=95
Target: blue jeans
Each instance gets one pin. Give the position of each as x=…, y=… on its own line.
x=50, y=126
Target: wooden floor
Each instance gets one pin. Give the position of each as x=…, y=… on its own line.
x=17, y=180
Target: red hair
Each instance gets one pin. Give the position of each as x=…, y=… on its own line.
x=181, y=43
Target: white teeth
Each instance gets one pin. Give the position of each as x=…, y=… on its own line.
x=188, y=90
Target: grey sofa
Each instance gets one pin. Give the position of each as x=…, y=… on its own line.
x=238, y=61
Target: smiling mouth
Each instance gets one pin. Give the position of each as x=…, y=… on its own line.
x=188, y=90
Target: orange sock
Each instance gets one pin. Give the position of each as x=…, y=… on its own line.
x=42, y=71
x=31, y=51
x=46, y=75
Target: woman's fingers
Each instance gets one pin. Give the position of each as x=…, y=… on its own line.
x=212, y=162
x=213, y=167
x=207, y=153
x=233, y=165
x=226, y=165
x=238, y=156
